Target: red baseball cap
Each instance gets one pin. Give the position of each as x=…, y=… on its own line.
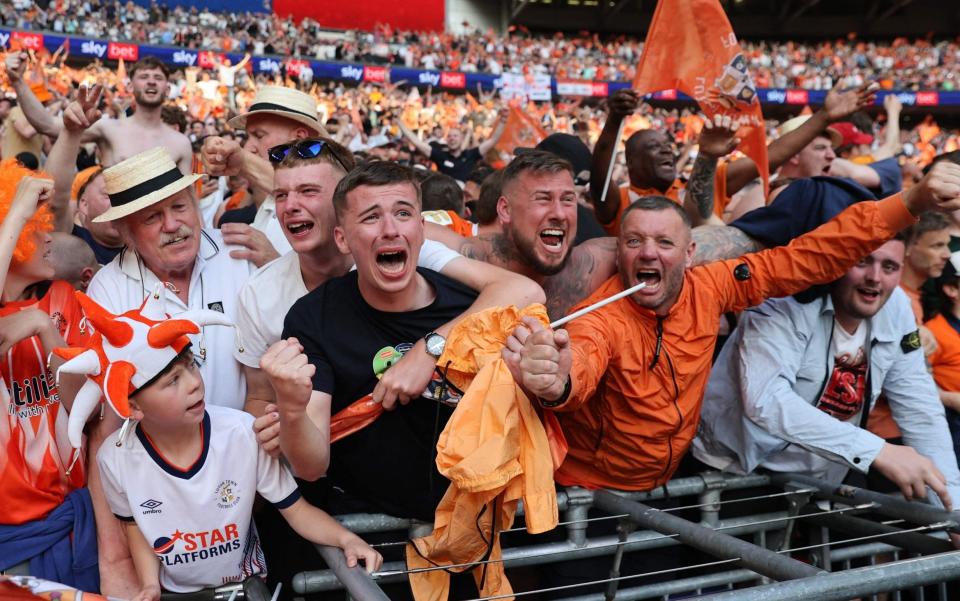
x=850, y=134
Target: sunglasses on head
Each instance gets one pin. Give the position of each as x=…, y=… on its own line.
x=305, y=149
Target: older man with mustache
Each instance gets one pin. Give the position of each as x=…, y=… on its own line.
x=156, y=213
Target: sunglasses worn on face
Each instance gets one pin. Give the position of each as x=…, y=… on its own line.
x=305, y=149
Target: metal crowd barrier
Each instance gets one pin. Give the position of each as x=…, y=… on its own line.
x=909, y=551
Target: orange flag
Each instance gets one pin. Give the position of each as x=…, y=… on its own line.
x=121, y=78
x=521, y=131
x=691, y=47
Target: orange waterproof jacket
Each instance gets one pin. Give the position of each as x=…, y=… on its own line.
x=495, y=451
x=631, y=413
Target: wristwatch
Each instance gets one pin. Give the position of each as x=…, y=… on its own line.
x=435, y=344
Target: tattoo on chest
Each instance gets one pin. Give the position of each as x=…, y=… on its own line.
x=571, y=285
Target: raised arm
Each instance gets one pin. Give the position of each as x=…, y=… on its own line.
x=488, y=144
x=304, y=412
x=62, y=161
x=227, y=157
x=717, y=139
x=621, y=104
x=826, y=253
x=891, y=136
x=31, y=193
x=837, y=106
x=33, y=110
x=421, y=146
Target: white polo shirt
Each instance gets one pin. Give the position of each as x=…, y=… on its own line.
x=215, y=284
x=271, y=291
x=198, y=519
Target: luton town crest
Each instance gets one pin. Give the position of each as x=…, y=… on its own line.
x=735, y=86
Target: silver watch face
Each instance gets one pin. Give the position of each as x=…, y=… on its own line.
x=435, y=344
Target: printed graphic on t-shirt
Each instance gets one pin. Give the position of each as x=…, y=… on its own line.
x=439, y=389
x=843, y=395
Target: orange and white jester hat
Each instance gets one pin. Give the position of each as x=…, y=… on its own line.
x=126, y=352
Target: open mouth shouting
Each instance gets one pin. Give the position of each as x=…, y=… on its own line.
x=650, y=277
x=552, y=239
x=392, y=261
x=299, y=229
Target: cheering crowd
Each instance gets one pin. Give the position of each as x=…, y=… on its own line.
x=901, y=65
x=341, y=300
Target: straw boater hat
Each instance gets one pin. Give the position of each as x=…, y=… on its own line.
x=283, y=102
x=792, y=124
x=140, y=181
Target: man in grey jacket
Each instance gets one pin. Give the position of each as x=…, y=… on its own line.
x=791, y=389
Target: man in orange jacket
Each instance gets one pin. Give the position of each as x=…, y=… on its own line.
x=629, y=377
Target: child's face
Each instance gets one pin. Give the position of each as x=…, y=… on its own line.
x=175, y=399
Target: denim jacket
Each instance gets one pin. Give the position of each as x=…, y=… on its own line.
x=759, y=409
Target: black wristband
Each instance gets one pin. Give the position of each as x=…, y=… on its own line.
x=561, y=400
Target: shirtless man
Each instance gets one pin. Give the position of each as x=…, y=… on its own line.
x=116, y=139
x=537, y=212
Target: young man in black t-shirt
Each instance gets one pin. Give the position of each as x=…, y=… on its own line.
x=451, y=157
x=341, y=337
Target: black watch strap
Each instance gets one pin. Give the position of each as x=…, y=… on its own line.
x=561, y=400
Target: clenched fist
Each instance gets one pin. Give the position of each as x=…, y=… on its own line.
x=291, y=375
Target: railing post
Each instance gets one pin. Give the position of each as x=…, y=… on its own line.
x=716, y=543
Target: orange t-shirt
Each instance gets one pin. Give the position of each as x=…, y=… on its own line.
x=33, y=433
x=452, y=221
x=945, y=361
x=914, y=296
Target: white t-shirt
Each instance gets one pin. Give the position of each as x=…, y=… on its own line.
x=210, y=89
x=271, y=291
x=215, y=284
x=842, y=397
x=198, y=520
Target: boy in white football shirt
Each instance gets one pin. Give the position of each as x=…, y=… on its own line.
x=185, y=480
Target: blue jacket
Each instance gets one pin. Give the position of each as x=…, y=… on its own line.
x=61, y=547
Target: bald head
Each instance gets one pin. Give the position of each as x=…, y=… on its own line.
x=73, y=260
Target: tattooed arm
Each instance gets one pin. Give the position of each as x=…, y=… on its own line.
x=719, y=242
x=698, y=197
x=589, y=265
x=717, y=139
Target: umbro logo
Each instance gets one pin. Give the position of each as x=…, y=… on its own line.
x=150, y=506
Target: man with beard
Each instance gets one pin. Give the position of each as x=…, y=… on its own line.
x=791, y=389
x=628, y=379
x=116, y=139
x=537, y=214
x=537, y=211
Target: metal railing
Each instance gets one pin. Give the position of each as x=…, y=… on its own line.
x=842, y=536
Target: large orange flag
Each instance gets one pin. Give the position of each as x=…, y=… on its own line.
x=691, y=47
x=521, y=131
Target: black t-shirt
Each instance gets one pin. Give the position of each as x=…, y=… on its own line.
x=457, y=167
x=104, y=254
x=388, y=466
